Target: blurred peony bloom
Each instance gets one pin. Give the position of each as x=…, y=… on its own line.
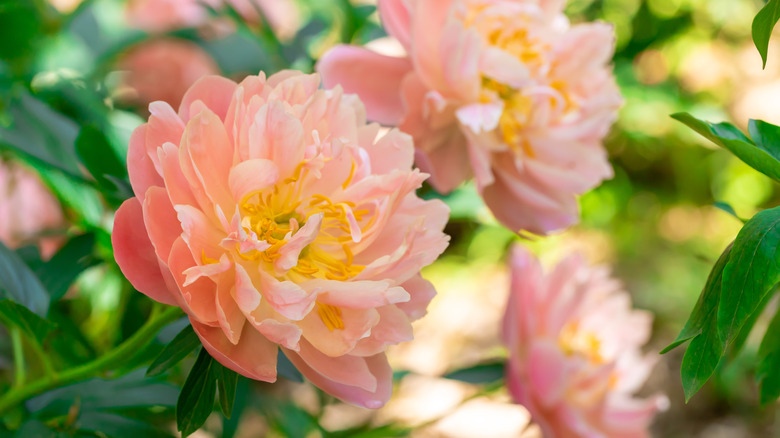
x=574, y=345
x=28, y=210
x=505, y=91
x=270, y=212
x=159, y=16
x=164, y=69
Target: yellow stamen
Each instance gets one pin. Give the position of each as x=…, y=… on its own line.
x=331, y=316
x=349, y=178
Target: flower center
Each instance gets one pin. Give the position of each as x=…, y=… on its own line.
x=578, y=342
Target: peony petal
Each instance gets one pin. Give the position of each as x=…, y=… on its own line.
x=161, y=221
x=377, y=365
x=250, y=176
x=142, y=172
x=214, y=92
x=254, y=356
x=547, y=372
x=229, y=316
x=396, y=19
x=200, y=296
x=348, y=370
x=135, y=254
x=290, y=252
x=356, y=294
x=375, y=78
x=335, y=342
x=421, y=292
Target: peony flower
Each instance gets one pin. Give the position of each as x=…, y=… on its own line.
x=574, y=350
x=505, y=91
x=28, y=210
x=164, y=69
x=274, y=217
x=159, y=16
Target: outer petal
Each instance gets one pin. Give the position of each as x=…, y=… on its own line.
x=375, y=78
x=253, y=357
x=215, y=92
x=346, y=369
x=396, y=19
x=161, y=221
x=140, y=166
x=135, y=254
x=377, y=365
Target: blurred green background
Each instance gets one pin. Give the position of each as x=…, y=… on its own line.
x=656, y=222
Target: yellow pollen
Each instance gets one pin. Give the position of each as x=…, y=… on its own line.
x=573, y=341
x=331, y=316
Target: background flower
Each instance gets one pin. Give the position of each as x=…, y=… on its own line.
x=28, y=210
x=164, y=69
x=275, y=218
x=506, y=92
x=574, y=344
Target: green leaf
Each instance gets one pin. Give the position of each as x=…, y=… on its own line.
x=766, y=136
x=71, y=260
x=763, y=25
x=230, y=425
x=129, y=391
x=751, y=272
x=42, y=133
x=117, y=426
x=286, y=369
x=227, y=380
x=31, y=324
x=706, y=308
x=98, y=156
x=705, y=350
x=196, y=400
x=723, y=206
x=479, y=374
x=769, y=362
x=181, y=346
x=729, y=137
x=18, y=283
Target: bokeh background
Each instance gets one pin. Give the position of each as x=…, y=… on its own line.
x=66, y=64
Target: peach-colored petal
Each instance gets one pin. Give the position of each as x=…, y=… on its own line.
x=142, y=174
x=374, y=77
x=254, y=357
x=396, y=20
x=161, y=221
x=135, y=254
x=215, y=92
x=292, y=250
x=200, y=295
x=348, y=370
x=357, y=294
x=357, y=325
x=248, y=176
x=377, y=365
x=229, y=316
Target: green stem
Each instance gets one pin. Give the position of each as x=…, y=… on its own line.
x=110, y=360
x=20, y=371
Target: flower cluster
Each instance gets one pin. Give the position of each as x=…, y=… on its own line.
x=271, y=213
x=504, y=91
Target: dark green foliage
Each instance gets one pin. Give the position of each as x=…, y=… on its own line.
x=181, y=346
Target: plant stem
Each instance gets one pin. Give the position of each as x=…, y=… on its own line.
x=18, y=350
x=108, y=361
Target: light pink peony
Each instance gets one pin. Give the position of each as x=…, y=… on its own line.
x=574, y=345
x=164, y=69
x=271, y=213
x=158, y=16
x=505, y=91
x=28, y=210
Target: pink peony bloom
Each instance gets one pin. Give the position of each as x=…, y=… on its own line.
x=28, y=210
x=159, y=16
x=505, y=91
x=164, y=69
x=271, y=213
x=574, y=345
